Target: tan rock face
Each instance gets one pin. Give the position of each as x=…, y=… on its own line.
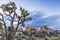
x=33, y=29
x=43, y=29
x=27, y=29
x=20, y=30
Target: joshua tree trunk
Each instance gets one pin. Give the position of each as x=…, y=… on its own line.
x=11, y=36
x=2, y=31
x=2, y=34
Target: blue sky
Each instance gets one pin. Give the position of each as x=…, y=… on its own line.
x=43, y=12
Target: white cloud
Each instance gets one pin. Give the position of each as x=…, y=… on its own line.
x=15, y=23
x=8, y=21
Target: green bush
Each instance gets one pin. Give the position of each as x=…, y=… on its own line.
x=41, y=36
x=30, y=38
x=45, y=39
x=18, y=38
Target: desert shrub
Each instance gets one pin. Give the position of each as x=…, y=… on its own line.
x=25, y=33
x=36, y=34
x=23, y=36
x=18, y=38
x=19, y=34
x=30, y=34
x=33, y=33
x=30, y=38
x=44, y=32
x=49, y=35
x=54, y=34
x=45, y=39
x=40, y=35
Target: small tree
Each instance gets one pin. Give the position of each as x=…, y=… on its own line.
x=11, y=9
x=46, y=39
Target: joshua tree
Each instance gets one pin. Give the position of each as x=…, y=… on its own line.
x=10, y=8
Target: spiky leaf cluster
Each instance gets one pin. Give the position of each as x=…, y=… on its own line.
x=11, y=7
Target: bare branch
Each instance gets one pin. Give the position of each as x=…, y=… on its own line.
x=8, y=15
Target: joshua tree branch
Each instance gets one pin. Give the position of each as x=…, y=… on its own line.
x=4, y=25
x=13, y=21
x=16, y=27
x=8, y=15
